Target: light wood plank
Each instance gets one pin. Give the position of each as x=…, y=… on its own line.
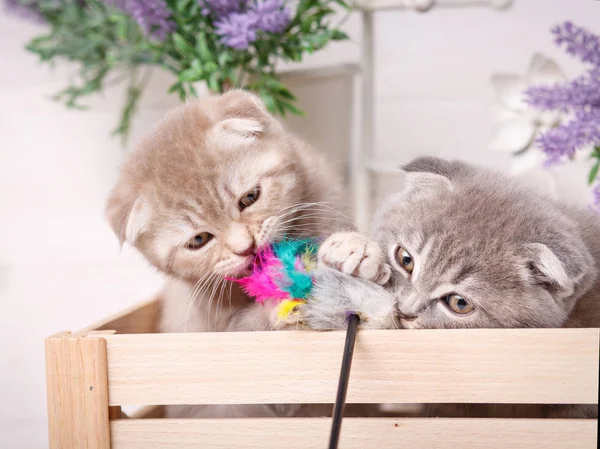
x=472, y=366
x=357, y=433
x=77, y=391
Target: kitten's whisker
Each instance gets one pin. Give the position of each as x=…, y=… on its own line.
x=213, y=292
x=205, y=280
x=312, y=208
x=229, y=296
x=315, y=216
x=222, y=290
x=197, y=286
x=307, y=206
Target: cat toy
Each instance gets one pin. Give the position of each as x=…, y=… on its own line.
x=284, y=273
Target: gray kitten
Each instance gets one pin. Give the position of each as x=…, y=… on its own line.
x=464, y=247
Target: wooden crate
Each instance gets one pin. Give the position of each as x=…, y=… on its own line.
x=121, y=361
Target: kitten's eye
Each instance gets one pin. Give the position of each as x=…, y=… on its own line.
x=458, y=304
x=405, y=260
x=199, y=240
x=249, y=198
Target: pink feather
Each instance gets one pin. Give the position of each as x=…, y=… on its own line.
x=261, y=284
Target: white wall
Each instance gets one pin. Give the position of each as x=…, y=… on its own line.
x=60, y=267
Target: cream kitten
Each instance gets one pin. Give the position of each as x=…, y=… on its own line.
x=464, y=247
x=217, y=179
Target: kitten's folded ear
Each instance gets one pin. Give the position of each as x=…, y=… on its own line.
x=241, y=117
x=418, y=184
x=560, y=270
x=437, y=166
x=127, y=213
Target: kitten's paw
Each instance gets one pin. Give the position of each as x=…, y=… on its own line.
x=335, y=295
x=354, y=254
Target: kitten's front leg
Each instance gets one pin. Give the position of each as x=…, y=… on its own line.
x=354, y=254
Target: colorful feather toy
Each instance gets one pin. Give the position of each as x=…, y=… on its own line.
x=282, y=272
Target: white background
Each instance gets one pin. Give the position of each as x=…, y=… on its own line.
x=60, y=267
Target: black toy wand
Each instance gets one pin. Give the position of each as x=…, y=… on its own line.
x=340, y=400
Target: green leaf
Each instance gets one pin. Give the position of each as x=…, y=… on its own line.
x=175, y=87
x=268, y=100
x=292, y=108
x=181, y=5
x=316, y=41
x=181, y=45
x=210, y=67
x=285, y=93
x=343, y=4
x=338, y=35
x=594, y=172
x=213, y=82
x=190, y=74
x=193, y=91
x=223, y=59
x=178, y=88
x=202, y=47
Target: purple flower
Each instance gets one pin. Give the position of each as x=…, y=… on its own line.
x=273, y=16
x=221, y=7
x=583, y=91
x=578, y=41
x=581, y=97
x=153, y=16
x=26, y=9
x=563, y=141
x=237, y=30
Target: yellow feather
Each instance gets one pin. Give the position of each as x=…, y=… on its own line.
x=288, y=307
x=309, y=262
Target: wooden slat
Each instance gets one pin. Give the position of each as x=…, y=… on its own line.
x=471, y=366
x=357, y=433
x=76, y=378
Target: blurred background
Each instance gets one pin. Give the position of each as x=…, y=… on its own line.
x=60, y=266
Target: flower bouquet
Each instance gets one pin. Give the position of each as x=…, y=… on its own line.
x=222, y=43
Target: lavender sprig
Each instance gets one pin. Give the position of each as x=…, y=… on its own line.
x=26, y=9
x=273, y=16
x=578, y=41
x=564, y=141
x=239, y=27
x=580, y=98
x=221, y=7
x=153, y=16
x=582, y=92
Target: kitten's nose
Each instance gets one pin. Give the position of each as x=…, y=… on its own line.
x=248, y=251
x=239, y=240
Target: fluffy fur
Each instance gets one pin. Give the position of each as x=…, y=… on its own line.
x=335, y=295
x=519, y=258
x=188, y=177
